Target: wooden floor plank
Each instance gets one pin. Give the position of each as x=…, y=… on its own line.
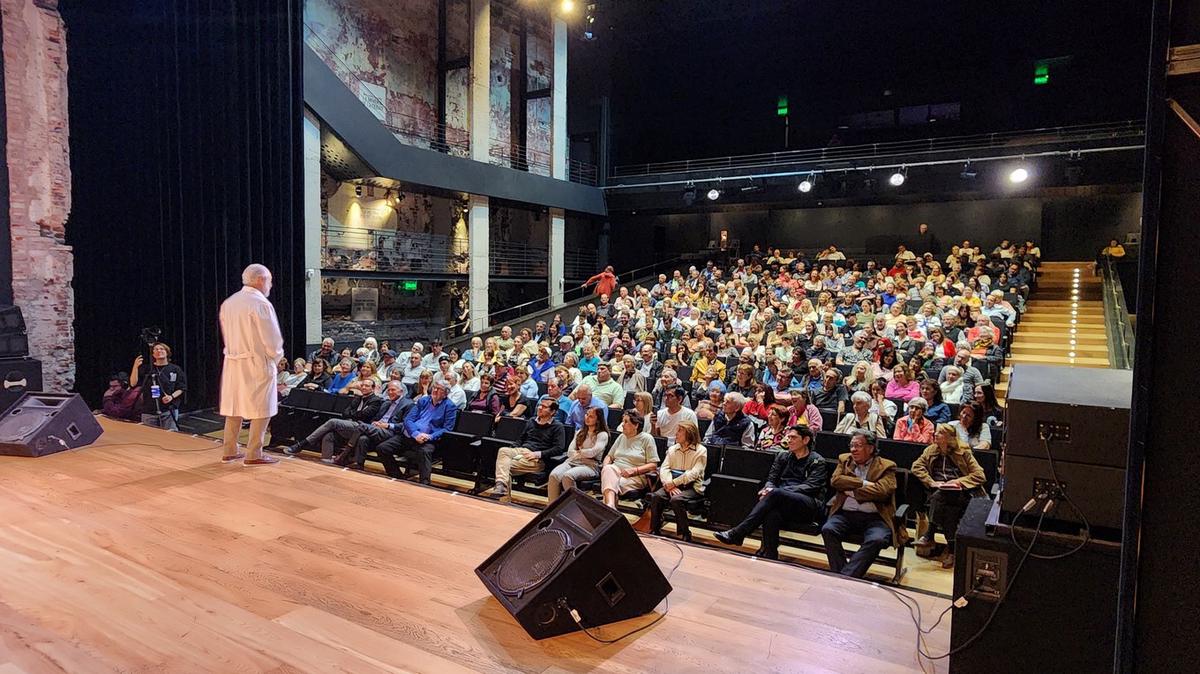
x=144, y=553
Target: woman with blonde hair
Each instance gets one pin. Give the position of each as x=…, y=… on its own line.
x=643, y=403
x=947, y=469
x=682, y=478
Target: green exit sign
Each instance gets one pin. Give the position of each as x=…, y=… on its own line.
x=781, y=106
x=1041, y=73
x=408, y=286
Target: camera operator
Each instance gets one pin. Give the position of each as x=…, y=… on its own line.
x=163, y=386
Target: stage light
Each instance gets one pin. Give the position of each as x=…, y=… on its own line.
x=689, y=194
x=896, y=179
x=714, y=194
x=805, y=186
x=1018, y=175
x=567, y=6
x=968, y=172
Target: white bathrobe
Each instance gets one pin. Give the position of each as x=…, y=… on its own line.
x=253, y=346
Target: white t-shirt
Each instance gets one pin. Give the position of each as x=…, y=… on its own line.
x=668, y=423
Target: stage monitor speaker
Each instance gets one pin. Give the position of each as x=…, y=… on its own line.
x=1059, y=616
x=19, y=375
x=576, y=554
x=45, y=423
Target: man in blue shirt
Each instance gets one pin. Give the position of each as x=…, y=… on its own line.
x=554, y=392
x=424, y=425
x=583, y=400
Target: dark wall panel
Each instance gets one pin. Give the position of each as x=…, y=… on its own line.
x=186, y=149
x=1078, y=226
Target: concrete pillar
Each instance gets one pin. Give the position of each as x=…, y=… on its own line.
x=560, y=141
x=312, y=228
x=481, y=78
x=557, y=248
x=477, y=231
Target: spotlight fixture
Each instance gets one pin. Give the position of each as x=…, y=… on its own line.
x=1018, y=175
x=805, y=185
x=897, y=178
x=968, y=172
x=567, y=6
x=714, y=194
x=358, y=190
x=689, y=194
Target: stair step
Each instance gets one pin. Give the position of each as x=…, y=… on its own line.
x=1061, y=348
x=1078, y=361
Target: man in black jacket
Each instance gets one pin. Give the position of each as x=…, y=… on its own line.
x=386, y=423
x=794, y=491
x=731, y=426
x=542, y=438
x=365, y=409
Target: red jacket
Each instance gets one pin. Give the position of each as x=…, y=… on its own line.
x=606, y=283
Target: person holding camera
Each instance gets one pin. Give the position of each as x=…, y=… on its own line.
x=163, y=387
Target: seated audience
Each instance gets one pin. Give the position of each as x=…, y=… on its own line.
x=949, y=471
x=707, y=408
x=346, y=430
x=317, y=378
x=341, y=378
x=861, y=418
x=731, y=426
x=542, y=437
x=773, y=436
x=604, y=387
x=863, y=505
x=583, y=454
x=794, y=492
x=914, y=427
x=428, y=419
x=672, y=414
x=631, y=462
x=803, y=412
x=972, y=429
x=120, y=401
x=382, y=426
x=681, y=476
x=939, y=411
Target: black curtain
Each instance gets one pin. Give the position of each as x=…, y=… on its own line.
x=186, y=160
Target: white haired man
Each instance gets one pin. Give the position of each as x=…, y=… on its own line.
x=253, y=347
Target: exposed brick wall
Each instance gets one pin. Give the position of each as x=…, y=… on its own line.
x=35, y=77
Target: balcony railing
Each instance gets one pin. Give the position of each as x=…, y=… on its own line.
x=428, y=133
x=1132, y=129
x=380, y=250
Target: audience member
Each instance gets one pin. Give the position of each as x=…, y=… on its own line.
x=583, y=454
x=542, y=437
x=681, y=476
x=949, y=471
x=631, y=462
x=794, y=492
x=428, y=419
x=863, y=505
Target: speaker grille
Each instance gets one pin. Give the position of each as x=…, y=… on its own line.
x=20, y=424
x=531, y=561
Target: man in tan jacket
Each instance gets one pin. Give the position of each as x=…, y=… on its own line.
x=863, y=505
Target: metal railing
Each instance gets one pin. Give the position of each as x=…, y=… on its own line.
x=388, y=250
x=1032, y=137
x=569, y=296
x=430, y=134
x=1118, y=325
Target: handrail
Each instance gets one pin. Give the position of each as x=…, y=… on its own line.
x=1116, y=317
x=1083, y=132
x=581, y=292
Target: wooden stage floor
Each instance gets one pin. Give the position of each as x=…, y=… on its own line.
x=144, y=553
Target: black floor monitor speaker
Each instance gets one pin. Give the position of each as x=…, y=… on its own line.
x=577, y=554
x=44, y=423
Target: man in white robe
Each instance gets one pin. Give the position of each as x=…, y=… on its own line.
x=253, y=345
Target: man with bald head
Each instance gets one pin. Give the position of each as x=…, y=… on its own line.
x=253, y=347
